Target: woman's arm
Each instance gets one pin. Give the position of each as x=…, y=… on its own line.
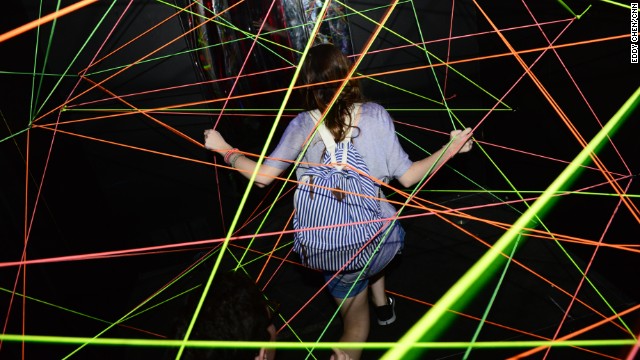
x=460, y=142
x=215, y=142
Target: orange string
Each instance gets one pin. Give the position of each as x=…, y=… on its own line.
x=45, y=19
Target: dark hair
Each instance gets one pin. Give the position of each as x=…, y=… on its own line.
x=234, y=310
x=325, y=65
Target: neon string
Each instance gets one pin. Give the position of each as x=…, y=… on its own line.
x=264, y=266
x=40, y=301
x=252, y=178
x=71, y=63
x=285, y=68
x=582, y=95
x=491, y=300
x=131, y=65
x=343, y=83
x=137, y=307
x=241, y=70
x=476, y=272
x=585, y=278
x=165, y=126
x=380, y=199
x=584, y=273
x=467, y=316
x=239, y=97
x=446, y=70
x=441, y=88
x=284, y=345
x=538, y=234
x=34, y=97
x=498, y=146
x=131, y=42
x=632, y=208
x=579, y=332
x=43, y=20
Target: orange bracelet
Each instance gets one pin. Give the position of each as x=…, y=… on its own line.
x=228, y=154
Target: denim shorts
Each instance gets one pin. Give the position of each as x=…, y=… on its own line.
x=349, y=284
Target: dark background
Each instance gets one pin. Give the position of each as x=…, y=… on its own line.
x=98, y=197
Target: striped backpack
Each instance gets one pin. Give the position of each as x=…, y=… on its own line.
x=337, y=211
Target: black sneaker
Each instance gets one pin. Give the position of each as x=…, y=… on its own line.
x=386, y=314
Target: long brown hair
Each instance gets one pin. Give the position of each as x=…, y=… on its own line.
x=325, y=66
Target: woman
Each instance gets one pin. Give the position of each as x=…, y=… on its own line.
x=374, y=137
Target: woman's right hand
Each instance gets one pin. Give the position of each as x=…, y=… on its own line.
x=461, y=140
x=215, y=142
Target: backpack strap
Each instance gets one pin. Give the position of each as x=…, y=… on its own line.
x=327, y=137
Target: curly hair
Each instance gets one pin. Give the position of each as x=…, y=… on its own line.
x=234, y=310
x=323, y=71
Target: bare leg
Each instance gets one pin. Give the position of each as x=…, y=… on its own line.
x=355, y=319
x=378, y=296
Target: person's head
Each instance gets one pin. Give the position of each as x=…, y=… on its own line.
x=326, y=66
x=234, y=310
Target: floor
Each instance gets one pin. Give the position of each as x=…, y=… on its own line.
x=519, y=300
x=524, y=299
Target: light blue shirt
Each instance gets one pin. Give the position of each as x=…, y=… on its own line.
x=374, y=138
